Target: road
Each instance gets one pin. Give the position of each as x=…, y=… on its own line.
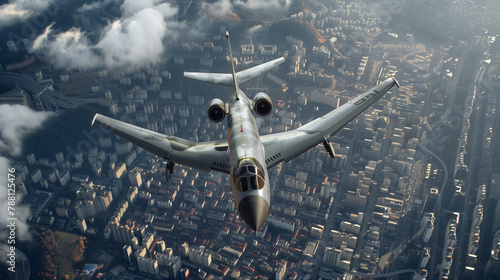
x=470, y=186
x=50, y=100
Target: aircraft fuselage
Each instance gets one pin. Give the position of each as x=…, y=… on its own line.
x=248, y=170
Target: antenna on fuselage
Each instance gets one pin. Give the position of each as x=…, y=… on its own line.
x=235, y=81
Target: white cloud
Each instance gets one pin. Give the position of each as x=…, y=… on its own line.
x=260, y=5
x=140, y=35
x=70, y=49
x=225, y=10
x=218, y=9
x=16, y=122
x=96, y=5
x=135, y=39
x=19, y=10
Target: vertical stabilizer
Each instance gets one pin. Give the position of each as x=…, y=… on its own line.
x=233, y=72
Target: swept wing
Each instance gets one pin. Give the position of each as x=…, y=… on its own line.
x=204, y=156
x=287, y=145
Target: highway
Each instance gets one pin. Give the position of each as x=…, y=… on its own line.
x=329, y=274
x=471, y=184
x=44, y=98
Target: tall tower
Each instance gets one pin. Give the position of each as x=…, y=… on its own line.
x=12, y=46
x=127, y=252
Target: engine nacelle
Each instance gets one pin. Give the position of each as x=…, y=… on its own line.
x=262, y=104
x=216, y=110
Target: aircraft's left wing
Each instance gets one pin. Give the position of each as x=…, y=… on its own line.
x=250, y=73
x=287, y=145
x=205, y=156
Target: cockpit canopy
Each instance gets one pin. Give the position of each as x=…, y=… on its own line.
x=249, y=176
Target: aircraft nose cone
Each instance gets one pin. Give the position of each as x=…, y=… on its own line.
x=253, y=210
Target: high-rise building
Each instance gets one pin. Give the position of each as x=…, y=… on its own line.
x=36, y=176
x=147, y=240
x=332, y=256
x=148, y=265
x=317, y=232
x=281, y=271
x=496, y=222
x=316, y=166
x=135, y=177
x=127, y=253
x=185, y=274
x=160, y=246
x=82, y=225
x=325, y=189
x=424, y=259
x=141, y=252
x=174, y=267
x=339, y=237
x=492, y=269
x=12, y=46
x=21, y=187
x=60, y=158
x=120, y=169
x=429, y=229
x=430, y=201
x=135, y=243
x=198, y=256
x=184, y=250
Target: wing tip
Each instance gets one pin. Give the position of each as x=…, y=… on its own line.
x=93, y=119
x=396, y=81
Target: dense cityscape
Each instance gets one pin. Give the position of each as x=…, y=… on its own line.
x=412, y=193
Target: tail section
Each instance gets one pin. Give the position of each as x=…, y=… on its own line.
x=236, y=88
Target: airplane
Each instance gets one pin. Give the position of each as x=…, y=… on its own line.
x=245, y=155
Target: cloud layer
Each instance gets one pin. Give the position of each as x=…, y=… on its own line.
x=95, y=5
x=16, y=122
x=140, y=35
x=135, y=39
x=19, y=10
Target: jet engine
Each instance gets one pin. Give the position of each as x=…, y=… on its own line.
x=262, y=104
x=216, y=111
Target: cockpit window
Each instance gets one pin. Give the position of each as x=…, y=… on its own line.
x=261, y=183
x=253, y=182
x=251, y=169
x=249, y=176
x=241, y=171
x=244, y=184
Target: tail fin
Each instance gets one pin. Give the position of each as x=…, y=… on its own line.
x=233, y=72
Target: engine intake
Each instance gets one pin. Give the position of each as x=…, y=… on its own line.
x=216, y=111
x=262, y=104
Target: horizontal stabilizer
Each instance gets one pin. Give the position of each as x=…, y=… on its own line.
x=242, y=76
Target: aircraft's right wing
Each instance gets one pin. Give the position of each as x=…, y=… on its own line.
x=287, y=145
x=242, y=76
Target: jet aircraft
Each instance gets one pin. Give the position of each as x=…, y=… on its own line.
x=245, y=155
